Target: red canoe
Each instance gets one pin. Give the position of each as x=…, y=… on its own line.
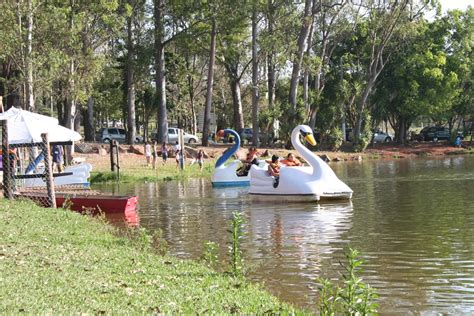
x=94, y=203
x=88, y=203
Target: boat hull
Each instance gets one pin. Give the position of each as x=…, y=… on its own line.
x=88, y=203
x=221, y=184
x=294, y=198
x=106, y=204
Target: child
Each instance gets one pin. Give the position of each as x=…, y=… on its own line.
x=164, y=152
x=153, y=154
x=147, y=153
x=178, y=153
x=274, y=170
x=199, y=159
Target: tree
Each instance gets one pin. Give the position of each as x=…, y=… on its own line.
x=383, y=21
x=210, y=82
x=159, y=10
x=310, y=8
x=255, y=96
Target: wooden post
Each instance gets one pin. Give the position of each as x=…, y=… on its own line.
x=1, y=104
x=48, y=171
x=7, y=172
x=181, y=145
x=112, y=162
x=117, y=159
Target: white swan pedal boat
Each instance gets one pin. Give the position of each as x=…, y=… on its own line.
x=299, y=184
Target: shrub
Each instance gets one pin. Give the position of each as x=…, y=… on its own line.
x=353, y=297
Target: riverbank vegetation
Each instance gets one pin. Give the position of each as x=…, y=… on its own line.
x=59, y=262
x=138, y=173
x=335, y=65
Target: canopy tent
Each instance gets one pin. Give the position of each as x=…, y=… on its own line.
x=26, y=127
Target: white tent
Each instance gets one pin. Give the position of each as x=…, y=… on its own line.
x=27, y=127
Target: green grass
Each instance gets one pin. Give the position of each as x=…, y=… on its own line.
x=161, y=173
x=55, y=261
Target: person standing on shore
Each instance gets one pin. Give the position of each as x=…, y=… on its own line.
x=177, y=153
x=199, y=159
x=147, y=153
x=58, y=157
x=164, y=152
x=154, y=154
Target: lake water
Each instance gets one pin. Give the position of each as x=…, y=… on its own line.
x=411, y=219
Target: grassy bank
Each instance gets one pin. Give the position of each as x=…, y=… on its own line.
x=138, y=173
x=59, y=262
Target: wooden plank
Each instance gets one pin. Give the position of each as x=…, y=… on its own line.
x=41, y=175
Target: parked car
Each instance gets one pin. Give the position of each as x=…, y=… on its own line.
x=173, y=134
x=118, y=134
x=434, y=133
x=246, y=134
x=381, y=137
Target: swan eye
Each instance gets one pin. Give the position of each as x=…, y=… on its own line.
x=304, y=133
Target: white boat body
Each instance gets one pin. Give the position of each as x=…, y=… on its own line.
x=226, y=175
x=80, y=176
x=311, y=183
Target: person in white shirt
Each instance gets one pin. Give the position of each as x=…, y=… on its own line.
x=147, y=153
x=177, y=153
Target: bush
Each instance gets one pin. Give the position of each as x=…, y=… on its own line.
x=353, y=297
x=336, y=138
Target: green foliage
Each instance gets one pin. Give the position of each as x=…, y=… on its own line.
x=352, y=297
x=427, y=64
x=336, y=138
x=235, y=249
x=210, y=254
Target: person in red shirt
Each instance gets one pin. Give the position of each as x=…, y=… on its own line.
x=291, y=161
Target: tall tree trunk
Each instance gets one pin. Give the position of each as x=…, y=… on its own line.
x=210, y=82
x=306, y=73
x=271, y=54
x=131, y=131
x=237, y=104
x=302, y=41
x=191, y=94
x=255, y=96
x=70, y=110
x=361, y=108
x=159, y=12
x=78, y=118
x=30, y=99
x=89, y=127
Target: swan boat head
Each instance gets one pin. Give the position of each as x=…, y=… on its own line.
x=310, y=183
x=306, y=132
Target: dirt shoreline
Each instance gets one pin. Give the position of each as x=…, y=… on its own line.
x=98, y=154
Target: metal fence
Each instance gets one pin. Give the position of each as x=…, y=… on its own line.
x=27, y=170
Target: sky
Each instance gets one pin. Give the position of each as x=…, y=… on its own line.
x=456, y=4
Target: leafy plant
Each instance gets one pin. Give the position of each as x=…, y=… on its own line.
x=336, y=138
x=353, y=297
x=144, y=240
x=235, y=250
x=210, y=254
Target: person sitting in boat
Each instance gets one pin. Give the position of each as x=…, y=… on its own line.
x=274, y=170
x=291, y=161
x=250, y=159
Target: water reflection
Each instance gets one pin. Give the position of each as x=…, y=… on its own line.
x=413, y=221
